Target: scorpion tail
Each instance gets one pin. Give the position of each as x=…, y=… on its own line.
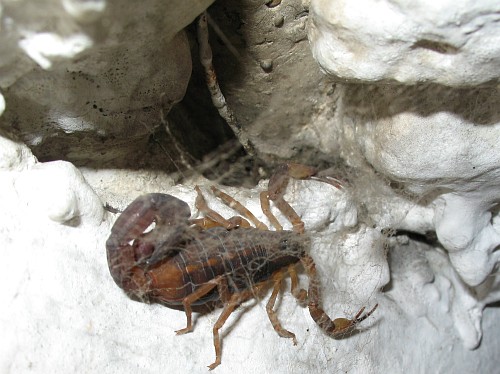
x=339, y=326
x=127, y=246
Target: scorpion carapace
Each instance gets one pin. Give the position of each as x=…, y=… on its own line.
x=187, y=262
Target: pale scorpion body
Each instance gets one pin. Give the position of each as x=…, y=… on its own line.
x=185, y=263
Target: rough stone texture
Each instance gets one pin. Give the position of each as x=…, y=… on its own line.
x=99, y=23
x=106, y=89
x=455, y=43
x=265, y=85
x=417, y=216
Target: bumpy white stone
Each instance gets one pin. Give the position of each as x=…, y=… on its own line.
x=42, y=47
x=53, y=191
x=2, y=104
x=441, y=146
x=455, y=43
x=437, y=142
x=58, y=191
x=465, y=227
x=15, y=155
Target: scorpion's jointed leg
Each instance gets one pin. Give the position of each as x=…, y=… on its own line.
x=233, y=301
x=212, y=218
x=266, y=209
x=278, y=278
x=339, y=326
x=199, y=293
x=238, y=207
x=276, y=190
x=285, y=208
x=299, y=293
x=212, y=215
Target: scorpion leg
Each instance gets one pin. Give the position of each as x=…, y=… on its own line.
x=231, y=302
x=212, y=218
x=285, y=208
x=266, y=209
x=229, y=308
x=278, y=278
x=200, y=292
x=277, y=188
x=212, y=215
x=240, y=208
x=236, y=299
x=339, y=326
x=299, y=294
x=207, y=223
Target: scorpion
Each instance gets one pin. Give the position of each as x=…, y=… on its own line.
x=183, y=263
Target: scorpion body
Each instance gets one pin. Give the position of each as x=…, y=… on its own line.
x=184, y=262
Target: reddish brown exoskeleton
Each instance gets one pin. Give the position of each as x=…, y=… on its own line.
x=185, y=262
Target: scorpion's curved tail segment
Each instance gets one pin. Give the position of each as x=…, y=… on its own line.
x=128, y=246
x=339, y=326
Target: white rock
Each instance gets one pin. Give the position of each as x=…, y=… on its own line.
x=15, y=155
x=2, y=104
x=440, y=148
x=464, y=226
x=43, y=47
x=455, y=43
x=441, y=145
x=57, y=191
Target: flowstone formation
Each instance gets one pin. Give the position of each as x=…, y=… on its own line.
x=424, y=113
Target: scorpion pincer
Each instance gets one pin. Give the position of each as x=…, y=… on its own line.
x=183, y=262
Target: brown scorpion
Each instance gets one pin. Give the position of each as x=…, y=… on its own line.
x=185, y=262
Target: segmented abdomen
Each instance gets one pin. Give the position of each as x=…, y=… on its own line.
x=243, y=256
